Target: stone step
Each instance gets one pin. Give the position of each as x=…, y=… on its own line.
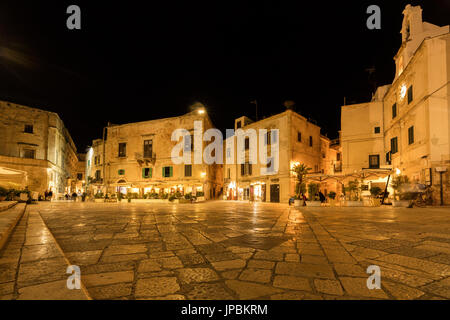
x=43, y=269
x=5, y=205
x=9, y=219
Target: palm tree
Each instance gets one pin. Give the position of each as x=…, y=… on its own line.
x=300, y=170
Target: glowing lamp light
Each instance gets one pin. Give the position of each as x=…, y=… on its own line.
x=201, y=111
x=203, y=174
x=397, y=171
x=403, y=91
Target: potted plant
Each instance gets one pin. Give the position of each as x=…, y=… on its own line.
x=332, y=198
x=354, y=198
x=3, y=193
x=375, y=192
x=313, y=195
x=401, y=199
x=99, y=197
x=300, y=171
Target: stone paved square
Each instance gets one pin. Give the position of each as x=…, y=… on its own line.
x=227, y=250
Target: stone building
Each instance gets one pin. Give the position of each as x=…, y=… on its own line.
x=406, y=125
x=77, y=181
x=138, y=159
x=36, y=142
x=300, y=141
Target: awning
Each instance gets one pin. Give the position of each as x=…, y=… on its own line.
x=361, y=174
x=12, y=178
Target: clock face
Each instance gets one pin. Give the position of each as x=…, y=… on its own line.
x=402, y=91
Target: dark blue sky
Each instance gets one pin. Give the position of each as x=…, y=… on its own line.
x=132, y=62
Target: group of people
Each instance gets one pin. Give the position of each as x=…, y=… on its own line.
x=48, y=195
x=74, y=196
x=321, y=196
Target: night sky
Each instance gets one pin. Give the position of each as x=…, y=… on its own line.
x=134, y=62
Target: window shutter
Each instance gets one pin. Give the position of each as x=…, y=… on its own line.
x=171, y=171
x=150, y=172
x=163, y=172
x=143, y=173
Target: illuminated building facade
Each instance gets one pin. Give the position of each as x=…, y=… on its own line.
x=406, y=125
x=36, y=142
x=299, y=141
x=138, y=160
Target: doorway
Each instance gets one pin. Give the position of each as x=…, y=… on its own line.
x=274, y=193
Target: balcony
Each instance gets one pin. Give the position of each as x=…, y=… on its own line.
x=146, y=158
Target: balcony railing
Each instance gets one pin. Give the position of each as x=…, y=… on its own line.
x=146, y=157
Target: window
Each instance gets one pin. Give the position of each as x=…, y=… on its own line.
x=29, y=153
x=79, y=176
x=229, y=173
x=97, y=160
x=374, y=161
x=338, y=156
x=394, y=110
x=146, y=173
x=228, y=152
x=188, y=170
x=122, y=149
x=247, y=143
x=377, y=130
x=249, y=169
x=394, y=145
x=324, y=155
x=410, y=94
x=411, y=135
x=299, y=136
x=167, y=172
x=238, y=125
x=148, y=148
x=121, y=172
x=97, y=175
x=28, y=128
x=310, y=141
x=388, y=157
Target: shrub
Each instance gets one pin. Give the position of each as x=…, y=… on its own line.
x=178, y=195
x=3, y=192
x=164, y=196
x=375, y=191
x=300, y=188
x=353, y=188
x=332, y=195
x=313, y=190
x=188, y=196
x=172, y=198
x=99, y=195
x=397, y=184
